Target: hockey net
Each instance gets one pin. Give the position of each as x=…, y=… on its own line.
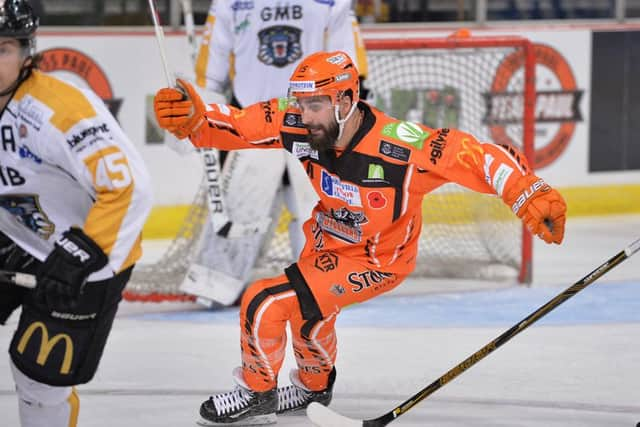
x=481, y=85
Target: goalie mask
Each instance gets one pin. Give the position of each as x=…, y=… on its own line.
x=18, y=21
x=332, y=74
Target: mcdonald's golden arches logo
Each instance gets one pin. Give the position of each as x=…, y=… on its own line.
x=46, y=345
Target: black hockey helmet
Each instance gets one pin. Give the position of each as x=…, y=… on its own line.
x=17, y=20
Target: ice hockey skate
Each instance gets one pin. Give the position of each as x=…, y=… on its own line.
x=294, y=398
x=240, y=407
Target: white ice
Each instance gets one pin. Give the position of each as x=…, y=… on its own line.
x=580, y=366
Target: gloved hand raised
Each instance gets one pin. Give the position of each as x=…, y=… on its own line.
x=541, y=208
x=179, y=110
x=60, y=279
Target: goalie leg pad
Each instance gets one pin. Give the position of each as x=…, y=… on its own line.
x=66, y=350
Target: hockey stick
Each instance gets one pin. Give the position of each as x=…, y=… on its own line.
x=324, y=417
x=222, y=224
x=19, y=279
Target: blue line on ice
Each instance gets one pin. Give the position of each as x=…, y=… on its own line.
x=598, y=304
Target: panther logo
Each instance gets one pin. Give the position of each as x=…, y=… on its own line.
x=26, y=208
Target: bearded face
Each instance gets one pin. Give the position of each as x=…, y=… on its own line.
x=323, y=137
x=319, y=118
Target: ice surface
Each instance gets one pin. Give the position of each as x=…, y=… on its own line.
x=579, y=366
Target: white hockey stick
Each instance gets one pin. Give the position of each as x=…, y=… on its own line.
x=219, y=217
x=322, y=416
x=19, y=279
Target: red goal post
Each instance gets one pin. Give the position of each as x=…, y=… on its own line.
x=518, y=57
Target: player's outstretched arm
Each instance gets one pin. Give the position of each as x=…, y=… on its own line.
x=489, y=168
x=541, y=208
x=181, y=111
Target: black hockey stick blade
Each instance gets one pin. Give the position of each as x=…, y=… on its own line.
x=19, y=279
x=322, y=416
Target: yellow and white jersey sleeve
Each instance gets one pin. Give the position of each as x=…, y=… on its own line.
x=256, y=44
x=66, y=162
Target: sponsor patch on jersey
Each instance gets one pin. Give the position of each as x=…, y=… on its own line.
x=242, y=5
x=293, y=120
x=438, y=145
x=90, y=132
x=279, y=45
x=488, y=160
x=283, y=104
x=500, y=178
x=26, y=209
x=333, y=187
x=30, y=112
x=362, y=280
x=242, y=25
x=407, y=132
x=25, y=153
x=303, y=149
x=375, y=172
x=394, y=151
x=326, y=262
x=342, y=224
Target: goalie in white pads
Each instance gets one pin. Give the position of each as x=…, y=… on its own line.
x=74, y=195
x=251, y=48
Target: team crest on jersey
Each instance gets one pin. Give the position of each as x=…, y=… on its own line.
x=343, y=224
x=279, y=45
x=333, y=187
x=26, y=209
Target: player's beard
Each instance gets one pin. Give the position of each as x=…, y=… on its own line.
x=326, y=139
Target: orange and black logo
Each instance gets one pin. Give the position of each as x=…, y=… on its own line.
x=557, y=108
x=85, y=67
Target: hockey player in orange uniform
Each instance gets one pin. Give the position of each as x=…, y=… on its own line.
x=371, y=172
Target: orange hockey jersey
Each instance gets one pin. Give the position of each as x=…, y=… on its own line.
x=370, y=193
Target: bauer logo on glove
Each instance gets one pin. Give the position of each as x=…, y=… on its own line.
x=539, y=185
x=541, y=208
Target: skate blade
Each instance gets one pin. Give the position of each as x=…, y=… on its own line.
x=257, y=420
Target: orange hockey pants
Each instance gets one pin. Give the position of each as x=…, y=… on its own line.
x=309, y=295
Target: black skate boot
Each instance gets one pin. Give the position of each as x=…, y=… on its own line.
x=296, y=397
x=242, y=406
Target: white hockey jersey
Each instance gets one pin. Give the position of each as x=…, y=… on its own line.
x=64, y=161
x=268, y=38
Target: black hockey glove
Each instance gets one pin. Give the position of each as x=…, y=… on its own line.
x=61, y=278
x=13, y=257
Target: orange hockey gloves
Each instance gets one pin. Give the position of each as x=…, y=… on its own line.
x=179, y=110
x=541, y=208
